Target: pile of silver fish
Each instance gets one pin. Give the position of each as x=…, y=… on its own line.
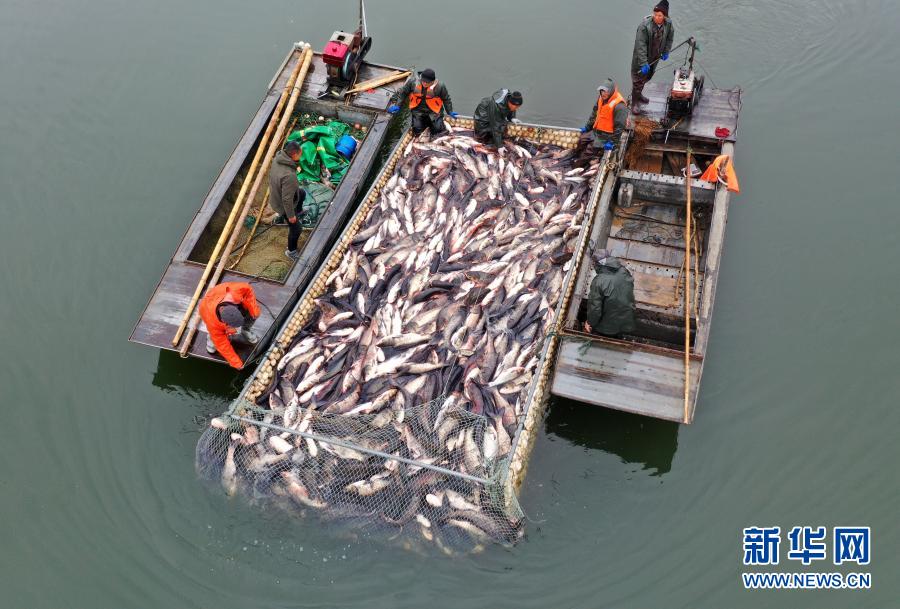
x=424, y=345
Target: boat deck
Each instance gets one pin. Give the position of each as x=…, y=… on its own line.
x=163, y=313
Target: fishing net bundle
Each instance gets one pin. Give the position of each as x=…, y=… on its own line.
x=398, y=400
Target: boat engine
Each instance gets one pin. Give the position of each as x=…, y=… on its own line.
x=686, y=89
x=344, y=54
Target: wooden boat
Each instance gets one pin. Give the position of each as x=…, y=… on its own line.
x=276, y=291
x=640, y=218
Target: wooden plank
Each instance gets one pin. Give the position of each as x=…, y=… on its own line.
x=651, y=253
x=716, y=244
x=162, y=315
x=716, y=108
x=612, y=375
x=647, y=231
x=660, y=188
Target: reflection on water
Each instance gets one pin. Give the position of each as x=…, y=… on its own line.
x=197, y=377
x=636, y=439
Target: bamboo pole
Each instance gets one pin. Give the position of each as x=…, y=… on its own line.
x=687, y=295
x=274, y=146
x=377, y=82
x=256, y=220
x=237, y=203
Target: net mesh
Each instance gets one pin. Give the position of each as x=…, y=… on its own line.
x=393, y=399
x=428, y=475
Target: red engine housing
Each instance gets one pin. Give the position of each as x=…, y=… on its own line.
x=337, y=48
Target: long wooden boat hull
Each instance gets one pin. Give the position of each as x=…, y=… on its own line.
x=161, y=317
x=640, y=219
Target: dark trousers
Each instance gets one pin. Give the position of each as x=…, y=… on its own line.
x=638, y=81
x=294, y=229
x=425, y=120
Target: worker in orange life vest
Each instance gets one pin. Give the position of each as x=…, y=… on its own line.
x=229, y=310
x=608, y=117
x=428, y=100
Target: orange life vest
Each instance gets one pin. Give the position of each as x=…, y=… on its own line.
x=434, y=103
x=605, y=112
x=713, y=173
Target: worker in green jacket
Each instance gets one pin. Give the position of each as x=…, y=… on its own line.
x=494, y=113
x=609, y=116
x=610, y=306
x=652, y=44
x=428, y=100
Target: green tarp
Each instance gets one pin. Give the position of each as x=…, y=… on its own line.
x=317, y=150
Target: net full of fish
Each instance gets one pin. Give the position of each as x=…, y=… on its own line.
x=423, y=346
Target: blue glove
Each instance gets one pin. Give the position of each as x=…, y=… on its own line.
x=609, y=145
x=584, y=129
x=665, y=57
x=454, y=114
x=645, y=69
x=393, y=109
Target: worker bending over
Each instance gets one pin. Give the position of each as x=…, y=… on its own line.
x=229, y=310
x=494, y=114
x=429, y=100
x=608, y=117
x=285, y=195
x=610, y=306
x=652, y=43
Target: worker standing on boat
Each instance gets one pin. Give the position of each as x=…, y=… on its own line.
x=608, y=117
x=610, y=306
x=285, y=195
x=652, y=44
x=229, y=310
x=494, y=114
x=428, y=100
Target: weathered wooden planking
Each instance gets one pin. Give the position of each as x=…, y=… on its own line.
x=660, y=188
x=655, y=284
x=713, y=260
x=651, y=253
x=624, y=377
x=716, y=108
x=162, y=315
x=648, y=231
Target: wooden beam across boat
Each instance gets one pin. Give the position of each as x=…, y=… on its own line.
x=160, y=318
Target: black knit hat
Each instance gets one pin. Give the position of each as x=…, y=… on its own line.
x=515, y=98
x=663, y=7
x=427, y=75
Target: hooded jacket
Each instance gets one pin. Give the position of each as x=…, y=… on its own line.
x=283, y=185
x=610, y=307
x=492, y=115
x=236, y=292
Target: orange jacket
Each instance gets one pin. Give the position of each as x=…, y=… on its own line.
x=713, y=173
x=606, y=111
x=237, y=292
x=433, y=102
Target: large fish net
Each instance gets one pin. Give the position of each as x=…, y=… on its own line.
x=369, y=473
x=395, y=395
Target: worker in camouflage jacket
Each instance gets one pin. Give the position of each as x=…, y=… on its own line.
x=652, y=44
x=610, y=306
x=428, y=101
x=494, y=113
